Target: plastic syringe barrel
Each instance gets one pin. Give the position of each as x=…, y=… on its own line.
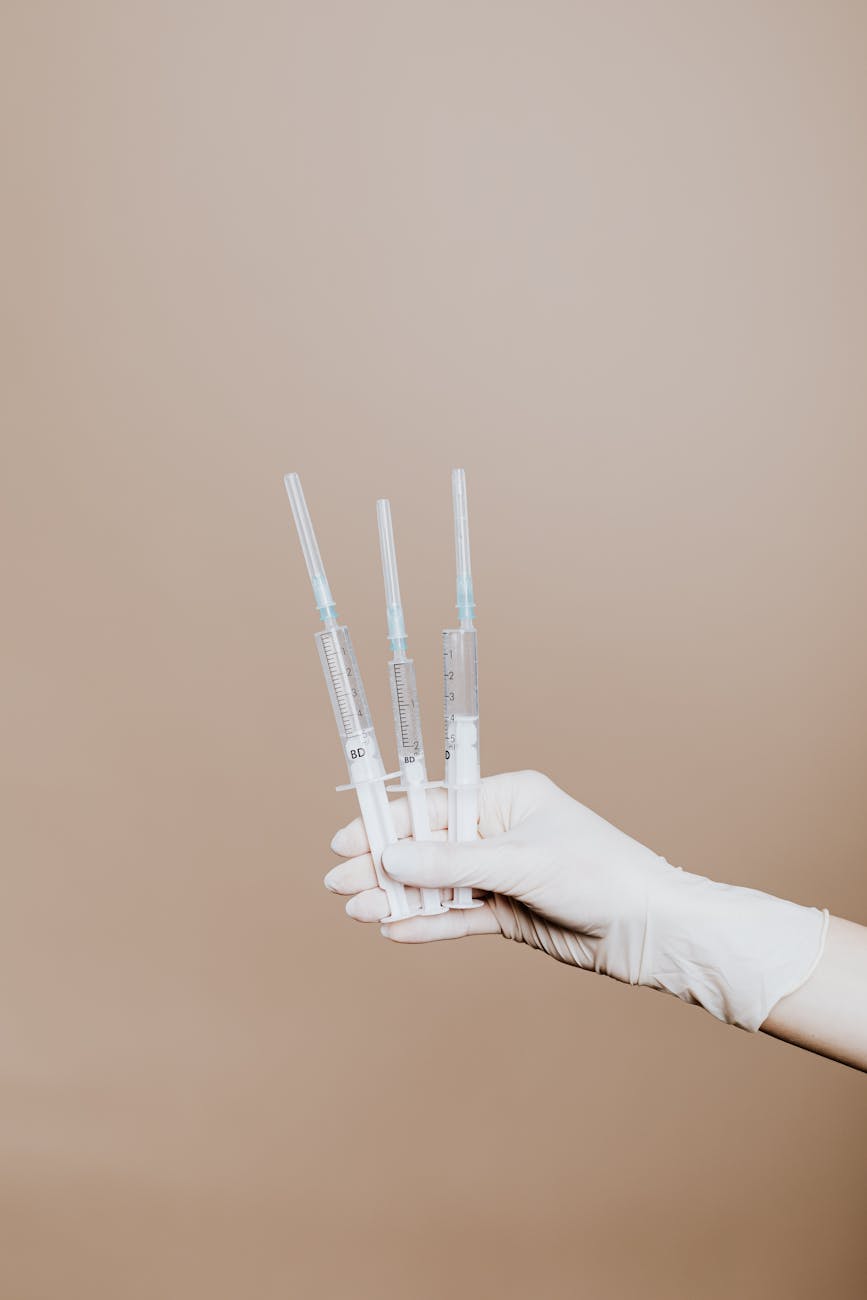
x=461, y=694
x=462, y=768
x=367, y=774
x=404, y=702
x=411, y=762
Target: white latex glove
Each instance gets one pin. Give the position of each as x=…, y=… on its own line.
x=560, y=878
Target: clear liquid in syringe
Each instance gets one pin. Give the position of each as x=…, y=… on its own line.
x=405, y=698
x=348, y=698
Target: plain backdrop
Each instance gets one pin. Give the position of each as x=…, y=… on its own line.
x=609, y=257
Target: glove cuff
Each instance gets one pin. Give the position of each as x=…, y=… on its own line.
x=731, y=950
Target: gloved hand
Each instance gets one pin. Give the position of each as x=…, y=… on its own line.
x=558, y=877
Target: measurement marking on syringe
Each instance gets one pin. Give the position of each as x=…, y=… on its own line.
x=402, y=704
x=347, y=714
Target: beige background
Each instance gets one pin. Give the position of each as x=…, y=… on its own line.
x=610, y=257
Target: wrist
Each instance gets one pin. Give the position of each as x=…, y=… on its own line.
x=732, y=950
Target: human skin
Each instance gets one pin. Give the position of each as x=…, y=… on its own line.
x=828, y=1014
x=555, y=875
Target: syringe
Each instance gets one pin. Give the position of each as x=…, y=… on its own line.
x=367, y=776
x=405, y=702
x=461, y=695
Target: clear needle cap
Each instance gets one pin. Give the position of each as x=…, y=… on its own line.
x=466, y=600
x=393, y=606
x=310, y=548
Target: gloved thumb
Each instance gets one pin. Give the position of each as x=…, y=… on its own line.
x=485, y=864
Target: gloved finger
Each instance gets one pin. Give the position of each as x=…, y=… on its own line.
x=449, y=925
x=507, y=799
x=371, y=905
x=493, y=864
x=352, y=838
x=352, y=876
x=355, y=874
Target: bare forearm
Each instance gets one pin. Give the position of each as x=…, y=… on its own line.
x=828, y=1014
x=553, y=874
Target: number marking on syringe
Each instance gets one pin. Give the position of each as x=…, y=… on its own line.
x=448, y=676
x=404, y=711
x=448, y=700
x=347, y=714
x=402, y=703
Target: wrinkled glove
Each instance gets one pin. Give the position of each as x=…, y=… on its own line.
x=560, y=878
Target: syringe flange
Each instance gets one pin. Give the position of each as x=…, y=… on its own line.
x=396, y=913
x=367, y=780
x=416, y=785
